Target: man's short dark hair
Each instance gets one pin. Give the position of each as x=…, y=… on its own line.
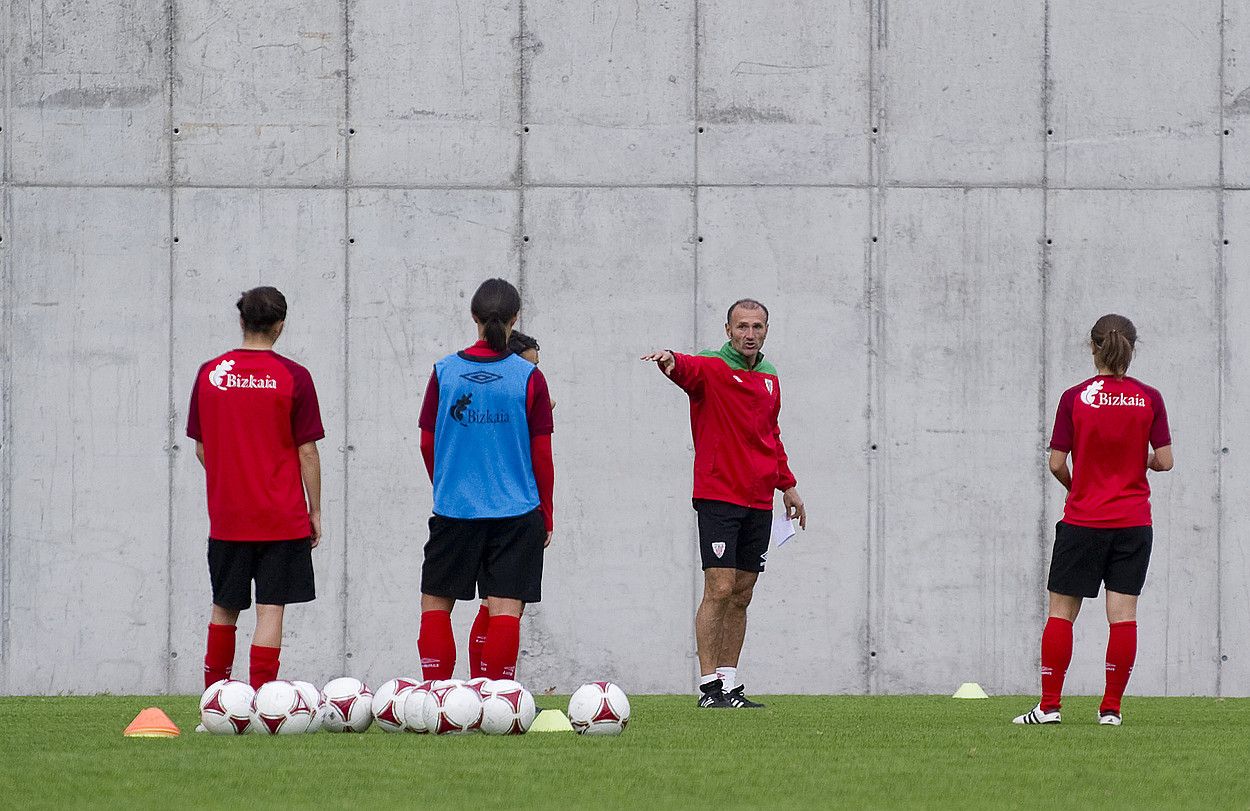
x=520, y=342
x=747, y=303
x=261, y=308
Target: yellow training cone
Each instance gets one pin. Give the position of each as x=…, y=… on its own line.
x=152, y=723
x=970, y=689
x=551, y=721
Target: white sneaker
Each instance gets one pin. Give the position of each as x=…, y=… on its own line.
x=200, y=728
x=1036, y=716
x=1109, y=719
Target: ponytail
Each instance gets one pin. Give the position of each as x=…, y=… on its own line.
x=496, y=335
x=494, y=305
x=1114, y=338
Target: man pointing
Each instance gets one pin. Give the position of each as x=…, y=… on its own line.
x=735, y=398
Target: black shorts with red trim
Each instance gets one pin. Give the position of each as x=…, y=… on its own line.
x=504, y=555
x=1085, y=558
x=732, y=536
x=282, y=571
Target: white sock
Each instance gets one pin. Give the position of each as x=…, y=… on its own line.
x=729, y=675
x=704, y=681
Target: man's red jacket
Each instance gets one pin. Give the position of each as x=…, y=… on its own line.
x=738, y=455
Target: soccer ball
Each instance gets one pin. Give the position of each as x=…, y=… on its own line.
x=279, y=708
x=507, y=708
x=313, y=696
x=414, y=707
x=226, y=707
x=599, y=708
x=388, y=703
x=478, y=685
x=452, y=709
x=349, y=705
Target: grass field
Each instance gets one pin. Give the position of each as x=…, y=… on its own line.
x=842, y=751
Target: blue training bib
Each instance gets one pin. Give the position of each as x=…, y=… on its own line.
x=482, y=464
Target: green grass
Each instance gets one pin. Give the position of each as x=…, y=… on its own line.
x=842, y=751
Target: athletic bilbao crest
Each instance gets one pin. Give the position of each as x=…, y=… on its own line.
x=1088, y=397
x=218, y=374
x=718, y=548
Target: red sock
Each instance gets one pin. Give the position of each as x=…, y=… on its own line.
x=1121, y=653
x=219, y=653
x=503, y=642
x=477, y=640
x=264, y=665
x=1056, y=656
x=436, y=645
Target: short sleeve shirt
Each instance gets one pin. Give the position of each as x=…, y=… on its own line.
x=1109, y=424
x=252, y=409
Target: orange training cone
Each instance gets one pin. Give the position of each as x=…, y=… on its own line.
x=152, y=723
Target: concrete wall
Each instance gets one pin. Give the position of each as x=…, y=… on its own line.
x=935, y=199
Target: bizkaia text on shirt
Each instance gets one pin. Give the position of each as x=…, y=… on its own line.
x=461, y=413
x=222, y=378
x=1095, y=397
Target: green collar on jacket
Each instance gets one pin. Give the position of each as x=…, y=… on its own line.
x=735, y=360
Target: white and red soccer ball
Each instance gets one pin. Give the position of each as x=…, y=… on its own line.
x=452, y=708
x=348, y=705
x=414, y=707
x=281, y=708
x=226, y=707
x=313, y=696
x=507, y=708
x=389, y=702
x=599, y=708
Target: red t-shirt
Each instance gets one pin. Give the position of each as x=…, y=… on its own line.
x=252, y=409
x=1108, y=424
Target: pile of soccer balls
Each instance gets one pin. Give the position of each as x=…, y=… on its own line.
x=448, y=707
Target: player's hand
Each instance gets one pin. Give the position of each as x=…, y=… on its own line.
x=547, y=542
x=794, y=506
x=664, y=358
x=314, y=519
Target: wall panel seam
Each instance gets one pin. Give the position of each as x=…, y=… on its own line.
x=1044, y=381
x=1221, y=283
x=1196, y=187
x=170, y=449
x=345, y=450
x=695, y=563
x=876, y=190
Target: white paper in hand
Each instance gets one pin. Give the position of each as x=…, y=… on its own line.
x=783, y=530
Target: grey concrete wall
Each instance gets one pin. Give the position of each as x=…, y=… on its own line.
x=935, y=199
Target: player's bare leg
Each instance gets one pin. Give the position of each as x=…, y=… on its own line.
x=735, y=631
x=709, y=629
x=268, y=625
x=736, y=619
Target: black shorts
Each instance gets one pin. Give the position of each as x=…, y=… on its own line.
x=733, y=537
x=283, y=572
x=504, y=554
x=1084, y=558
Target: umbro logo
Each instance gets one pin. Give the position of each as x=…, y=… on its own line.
x=482, y=377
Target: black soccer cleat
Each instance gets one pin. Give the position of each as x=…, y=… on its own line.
x=738, y=699
x=714, y=696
